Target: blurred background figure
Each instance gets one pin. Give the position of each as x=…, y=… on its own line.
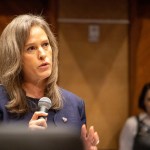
x=135, y=134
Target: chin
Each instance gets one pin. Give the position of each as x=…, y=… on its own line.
x=47, y=75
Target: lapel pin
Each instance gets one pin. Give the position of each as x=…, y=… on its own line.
x=64, y=119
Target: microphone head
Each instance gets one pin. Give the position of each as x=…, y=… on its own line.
x=46, y=102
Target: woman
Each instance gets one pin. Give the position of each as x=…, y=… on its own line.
x=135, y=134
x=28, y=72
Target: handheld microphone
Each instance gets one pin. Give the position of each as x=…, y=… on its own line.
x=44, y=105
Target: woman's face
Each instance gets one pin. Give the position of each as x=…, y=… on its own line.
x=147, y=102
x=37, y=56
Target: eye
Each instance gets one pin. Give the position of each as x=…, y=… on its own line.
x=46, y=44
x=31, y=48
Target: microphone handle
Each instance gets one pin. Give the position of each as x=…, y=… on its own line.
x=43, y=109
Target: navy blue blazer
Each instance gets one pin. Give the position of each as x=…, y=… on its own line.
x=71, y=115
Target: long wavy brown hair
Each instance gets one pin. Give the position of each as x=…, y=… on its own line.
x=12, y=42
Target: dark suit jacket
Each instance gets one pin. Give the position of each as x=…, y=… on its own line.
x=71, y=115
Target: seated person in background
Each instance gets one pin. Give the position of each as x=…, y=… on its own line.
x=135, y=134
x=28, y=72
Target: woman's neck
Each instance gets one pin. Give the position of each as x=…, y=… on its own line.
x=34, y=90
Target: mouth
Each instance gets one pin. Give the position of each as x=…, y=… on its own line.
x=44, y=64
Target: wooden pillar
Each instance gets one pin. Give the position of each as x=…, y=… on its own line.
x=52, y=15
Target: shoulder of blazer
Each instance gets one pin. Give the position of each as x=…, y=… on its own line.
x=70, y=97
x=4, y=98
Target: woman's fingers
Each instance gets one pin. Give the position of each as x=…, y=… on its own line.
x=83, y=131
x=36, y=123
x=96, y=139
x=93, y=148
x=39, y=122
x=34, y=127
x=38, y=114
x=91, y=134
x=90, y=138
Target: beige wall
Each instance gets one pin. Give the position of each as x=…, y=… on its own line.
x=97, y=72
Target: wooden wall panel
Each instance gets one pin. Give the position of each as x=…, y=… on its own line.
x=97, y=72
x=102, y=9
x=139, y=50
x=47, y=8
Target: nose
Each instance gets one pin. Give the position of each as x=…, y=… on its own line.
x=42, y=53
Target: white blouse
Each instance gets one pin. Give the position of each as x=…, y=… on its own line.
x=129, y=131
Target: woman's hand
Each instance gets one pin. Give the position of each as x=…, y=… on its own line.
x=90, y=138
x=36, y=123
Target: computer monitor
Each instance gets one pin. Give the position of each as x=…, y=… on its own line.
x=16, y=138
